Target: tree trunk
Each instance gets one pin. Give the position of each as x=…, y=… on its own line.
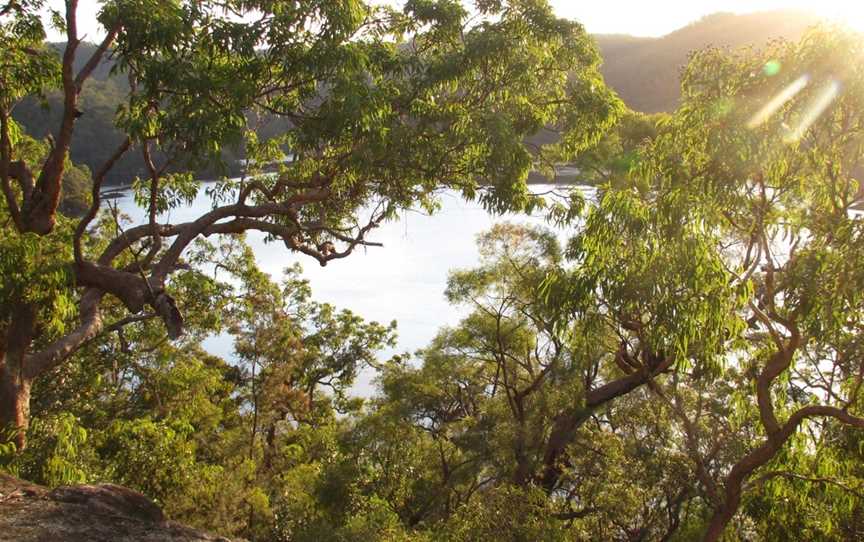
x=719, y=521
x=14, y=403
x=14, y=380
x=561, y=435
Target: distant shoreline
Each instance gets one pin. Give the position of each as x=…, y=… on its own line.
x=567, y=176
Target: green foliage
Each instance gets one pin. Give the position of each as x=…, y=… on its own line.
x=612, y=388
x=34, y=270
x=155, y=457
x=608, y=163
x=645, y=72
x=753, y=206
x=216, y=445
x=61, y=454
x=176, y=190
x=507, y=513
x=29, y=67
x=8, y=448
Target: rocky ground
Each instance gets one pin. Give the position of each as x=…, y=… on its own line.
x=91, y=513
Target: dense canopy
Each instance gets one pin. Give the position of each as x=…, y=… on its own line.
x=676, y=355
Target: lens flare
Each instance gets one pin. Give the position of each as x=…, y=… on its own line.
x=777, y=101
x=817, y=107
x=771, y=68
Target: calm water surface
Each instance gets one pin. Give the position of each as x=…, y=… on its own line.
x=404, y=280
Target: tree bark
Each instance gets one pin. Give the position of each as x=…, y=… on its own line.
x=18, y=367
x=567, y=424
x=14, y=380
x=14, y=403
x=719, y=520
x=741, y=471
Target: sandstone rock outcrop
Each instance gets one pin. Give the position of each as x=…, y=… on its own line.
x=87, y=513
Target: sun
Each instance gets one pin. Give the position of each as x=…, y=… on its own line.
x=848, y=13
x=845, y=12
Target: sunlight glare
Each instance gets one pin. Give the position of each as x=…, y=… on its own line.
x=817, y=107
x=777, y=101
x=845, y=12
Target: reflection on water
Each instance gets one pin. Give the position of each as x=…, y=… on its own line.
x=403, y=280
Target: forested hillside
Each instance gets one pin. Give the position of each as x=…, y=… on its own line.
x=645, y=72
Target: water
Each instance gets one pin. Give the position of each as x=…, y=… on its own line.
x=404, y=280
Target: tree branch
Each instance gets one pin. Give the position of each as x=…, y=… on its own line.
x=96, y=196
x=94, y=60
x=90, y=324
x=793, y=476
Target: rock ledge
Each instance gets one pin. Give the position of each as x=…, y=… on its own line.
x=91, y=513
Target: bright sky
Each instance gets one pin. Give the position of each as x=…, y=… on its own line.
x=639, y=18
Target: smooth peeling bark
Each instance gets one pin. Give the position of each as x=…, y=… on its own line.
x=14, y=403
x=14, y=380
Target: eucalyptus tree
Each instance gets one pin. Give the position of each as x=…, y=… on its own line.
x=609, y=161
x=381, y=109
x=509, y=394
x=735, y=252
x=214, y=444
x=299, y=359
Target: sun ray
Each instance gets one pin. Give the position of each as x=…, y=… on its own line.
x=777, y=101
x=815, y=110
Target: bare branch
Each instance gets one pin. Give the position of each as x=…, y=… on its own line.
x=96, y=195
x=96, y=57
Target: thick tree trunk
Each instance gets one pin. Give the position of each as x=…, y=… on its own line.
x=14, y=379
x=719, y=521
x=19, y=367
x=14, y=403
x=562, y=434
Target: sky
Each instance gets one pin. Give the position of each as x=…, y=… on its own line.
x=639, y=18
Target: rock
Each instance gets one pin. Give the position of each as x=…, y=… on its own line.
x=86, y=513
x=110, y=499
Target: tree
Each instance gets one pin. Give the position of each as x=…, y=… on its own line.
x=609, y=161
x=385, y=108
x=505, y=395
x=214, y=444
x=734, y=251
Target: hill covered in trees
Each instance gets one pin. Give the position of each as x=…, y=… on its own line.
x=645, y=72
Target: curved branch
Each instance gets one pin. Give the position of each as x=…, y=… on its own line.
x=743, y=469
x=189, y=231
x=39, y=211
x=94, y=60
x=90, y=323
x=777, y=363
x=566, y=424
